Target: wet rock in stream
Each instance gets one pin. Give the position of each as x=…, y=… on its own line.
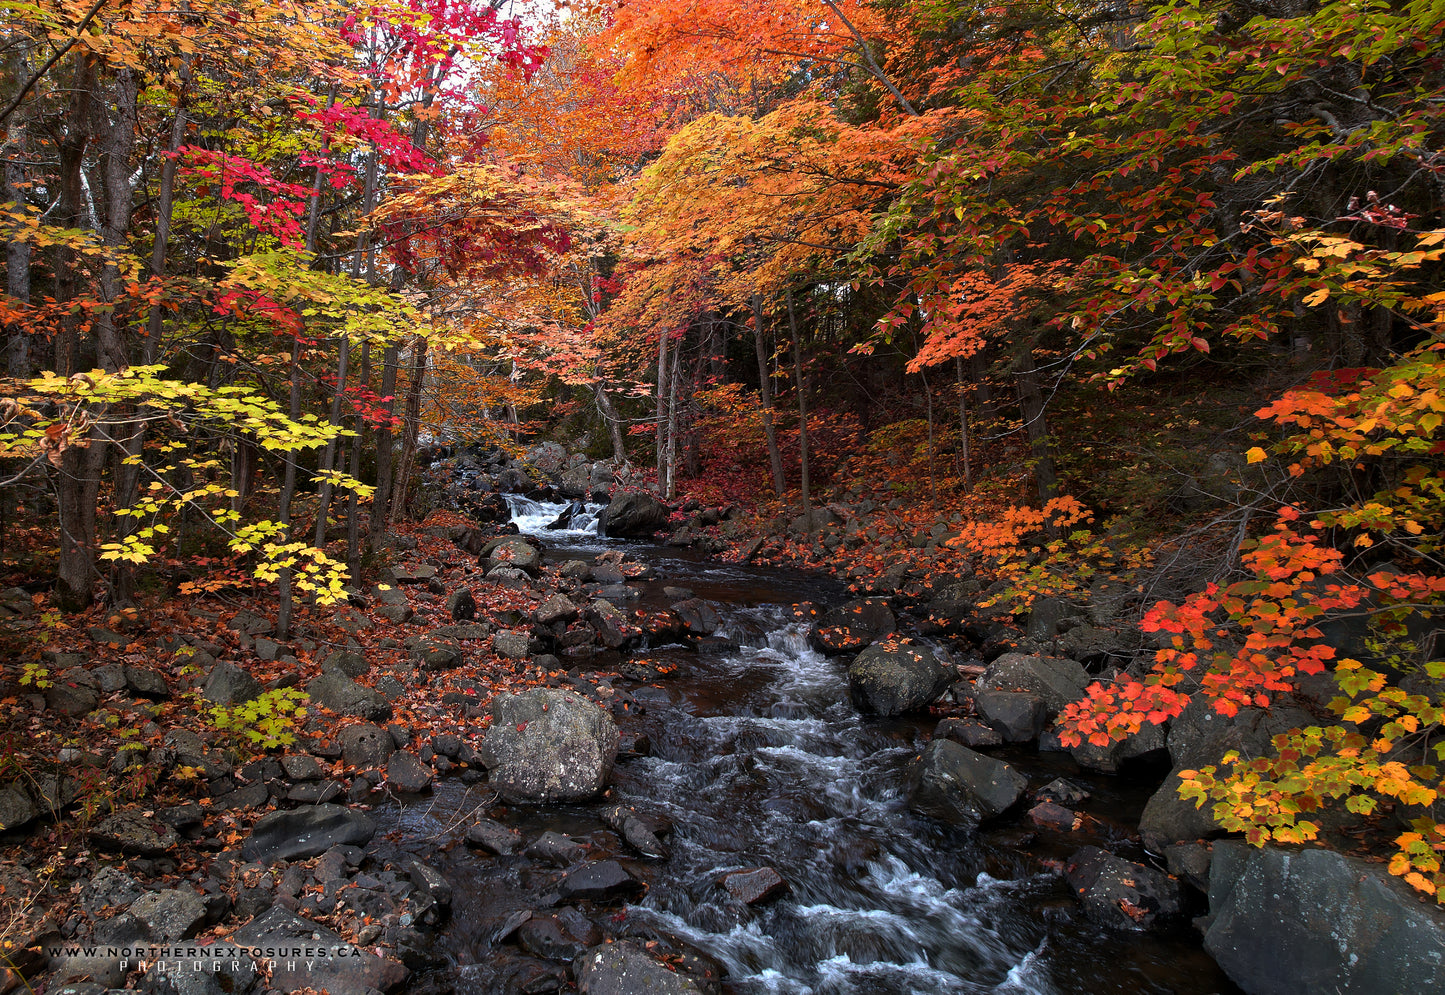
x=546, y=745
x=600, y=881
x=955, y=784
x=890, y=679
x=623, y=969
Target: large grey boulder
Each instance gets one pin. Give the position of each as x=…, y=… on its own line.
x=546, y=745
x=134, y=832
x=171, y=914
x=633, y=513
x=299, y=833
x=344, y=696
x=622, y=969
x=1016, y=716
x=548, y=457
x=1283, y=922
x=892, y=678
x=515, y=552
x=228, y=684
x=853, y=626
x=955, y=784
x=335, y=965
x=365, y=745
x=16, y=807
x=1055, y=680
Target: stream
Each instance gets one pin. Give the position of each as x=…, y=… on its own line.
x=759, y=760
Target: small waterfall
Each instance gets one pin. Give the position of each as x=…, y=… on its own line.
x=533, y=516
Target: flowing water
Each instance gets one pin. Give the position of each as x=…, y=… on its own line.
x=760, y=761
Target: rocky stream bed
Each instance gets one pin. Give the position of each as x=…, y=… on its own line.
x=735, y=779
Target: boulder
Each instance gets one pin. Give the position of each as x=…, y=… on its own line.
x=365, y=746
x=608, y=573
x=169, y=915
x=892, y=678
x=347, y=662
x=574, y=487
x=955, y=784
x=1198, y=737
x=576, y=570
x=1146, y=744
x=635, y=514
x=336, y=966
x=72, y=697
x=561, y=937
x=147, y=683
x=600, y=881
x=512, y=645
x=413, y=573
x=16, y=807
x=969, y=732
x=516, y=552
x=557, y=608
x=638, y=829
x=405, y=772
x=853, y=626
x=110, y=888
x=754, y=886
x=546, y=745
x=548, y=457
x=699, y=618
x=622, y=969
x=134, y=833
x=492, y=836
x=228, y=684
x=462, y=605
x=1017, y=716
x=554, y=848
x=344, y=696
x=1282, y=922
x=434, y=652
x=509, y=577
x=1055, y=680
x=1122, y=894
x=299, y=833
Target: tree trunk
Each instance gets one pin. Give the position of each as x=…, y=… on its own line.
x=116, y=155
x=669, y=491
x=411, y=425
x=932, y=473
x=802, y=418
x=71, y=150
x=353, y=523
x=610, y=416
x=963, y=423
x=662, y=344
x=987, y=407
x=288, y=492
x=155, y=325
x=17, y=255
x=1031, y=405
x=243, y=471
x=765, y=391
x=381, y=500
x=78, y=494
x=328, y=457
